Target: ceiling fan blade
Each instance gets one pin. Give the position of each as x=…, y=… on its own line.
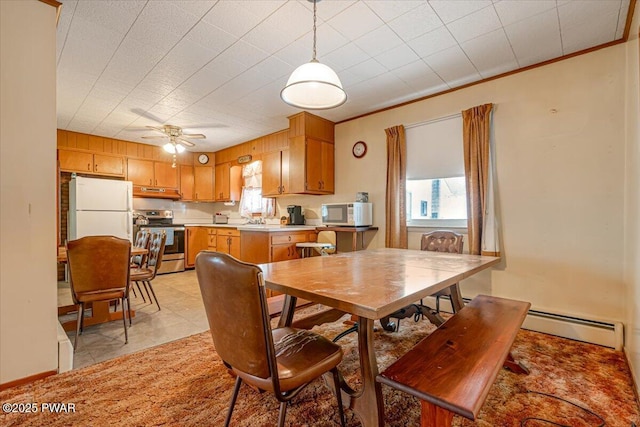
x=194, y=135
x=185, y=142
x=159, y=129
x=147, y=115
x=154, y=136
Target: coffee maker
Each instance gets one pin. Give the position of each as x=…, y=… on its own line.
x=295, y=215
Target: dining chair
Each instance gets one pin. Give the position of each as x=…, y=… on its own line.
x=147, y=273
x=435, y=241
x=98, y=271
x=325, y=244
x=137, y=261
x=282, y=360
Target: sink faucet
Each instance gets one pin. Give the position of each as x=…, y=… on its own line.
x=258, y=220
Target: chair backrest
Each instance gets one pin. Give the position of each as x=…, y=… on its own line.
x=156, y=250
x=141, y=241
x=327, y=237
x=442, y=241
x=98, y=263
x=236, y=305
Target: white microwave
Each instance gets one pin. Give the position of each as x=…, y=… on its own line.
x=354, y=214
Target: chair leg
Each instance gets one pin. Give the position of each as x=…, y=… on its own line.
x=124, y=321
x=346, y=332
x=234, y=396
x=128, y=309
x=78, y=323
x=134, y=292
x=283, y=414
x=154, y=294
x=336, y=385
x=146, y=288
x=141, y=293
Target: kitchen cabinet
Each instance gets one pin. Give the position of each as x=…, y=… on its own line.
x=228, y=241
x=148, y=172
x=91, y=163
x=228, y=182
x=203, y=184
x=275, y=173
x=311, y=166
x=186, y=183
x=197, y=239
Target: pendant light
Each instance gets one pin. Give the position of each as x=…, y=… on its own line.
x=314, y=86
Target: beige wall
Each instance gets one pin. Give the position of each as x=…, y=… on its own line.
x=28, y=307
x=632, y=202
x=560, y=144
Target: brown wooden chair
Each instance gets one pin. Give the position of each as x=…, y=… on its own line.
x=98, y=271
x=147, y=273
x=138, y=261
x=450, y=242
x=282, y=360
x=436, y=241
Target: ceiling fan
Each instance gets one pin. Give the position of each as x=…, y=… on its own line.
x=176, y=136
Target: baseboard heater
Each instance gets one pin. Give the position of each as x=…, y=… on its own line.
x=605, y=333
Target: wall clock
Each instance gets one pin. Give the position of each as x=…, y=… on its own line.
x=359, y=149
x=203, y=159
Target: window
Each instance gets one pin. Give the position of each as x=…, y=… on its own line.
x=436, y=191
x=251, y=202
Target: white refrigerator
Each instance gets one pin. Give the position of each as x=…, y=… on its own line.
x=100, y=207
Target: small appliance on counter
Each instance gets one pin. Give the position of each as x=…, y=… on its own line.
x=220, y=218
x=295, y=215
x=353, y=214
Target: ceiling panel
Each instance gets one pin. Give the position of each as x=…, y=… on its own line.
x=222, y=64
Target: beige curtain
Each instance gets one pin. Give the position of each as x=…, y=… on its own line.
x=476, y=124
x=395, y=208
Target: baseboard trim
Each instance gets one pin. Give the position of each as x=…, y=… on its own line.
x=26, y=380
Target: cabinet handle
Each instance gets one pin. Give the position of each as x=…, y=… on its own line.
x=96, y=166
x=196, y=196
x=88, y=166
x=150, y=182
x=320, y=184
x=289, y=238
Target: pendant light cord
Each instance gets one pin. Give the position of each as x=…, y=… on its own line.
x=314, y=31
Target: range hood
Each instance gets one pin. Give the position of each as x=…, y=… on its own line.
x=155, y=192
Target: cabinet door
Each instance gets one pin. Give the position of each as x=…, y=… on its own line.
x=165, y=175
x=271, y=173
x=222, y=182
x=284, y=171
x=106, y=164
x=140, y=172
x=75, y=161
x=283, y=252
x=314, y=165
x=197, y=240
x=186, y=183
x=234, y=247
x=328, y=167
x=203, y=187
x=223, y=243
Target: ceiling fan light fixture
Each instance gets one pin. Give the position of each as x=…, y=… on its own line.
x=314, y=86
x=173, y=148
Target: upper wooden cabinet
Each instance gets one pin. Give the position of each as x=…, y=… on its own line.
x=311, y=161
x=228, y=182
x=186, y=183
x=155, y=174
x=91, y=163
x=275, y=173
x=203, y=184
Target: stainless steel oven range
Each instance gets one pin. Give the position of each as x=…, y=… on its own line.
x=173, y=257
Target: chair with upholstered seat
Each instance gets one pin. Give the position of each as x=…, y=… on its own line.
x=147, y=273
x=325, y=244
x=282, y=360
x=98, y=271
x=138, y=261
x=435, y=241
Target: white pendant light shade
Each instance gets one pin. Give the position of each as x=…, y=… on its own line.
x=314, y=86
x=173, y=148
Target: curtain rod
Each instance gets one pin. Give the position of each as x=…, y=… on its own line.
x=439, y=119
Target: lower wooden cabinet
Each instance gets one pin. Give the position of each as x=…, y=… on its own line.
x=228, y=241
x=260, y=247
x=197, y=239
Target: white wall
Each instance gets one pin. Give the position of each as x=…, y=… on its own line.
x=28, y=307
x=632, y=202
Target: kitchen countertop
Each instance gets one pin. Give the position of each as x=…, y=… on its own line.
x=265, y=228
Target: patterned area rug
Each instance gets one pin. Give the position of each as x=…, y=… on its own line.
x=184, y=383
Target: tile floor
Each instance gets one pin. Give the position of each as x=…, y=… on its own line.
x=182, y=315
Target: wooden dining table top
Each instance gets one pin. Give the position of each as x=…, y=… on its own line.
x=62, y=252
x=372, y=283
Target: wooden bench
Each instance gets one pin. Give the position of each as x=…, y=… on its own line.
x=452, y=370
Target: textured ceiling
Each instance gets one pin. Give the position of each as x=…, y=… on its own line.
x=217, y=67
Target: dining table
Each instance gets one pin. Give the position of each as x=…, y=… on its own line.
x=370, y=284
x=100, y=312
